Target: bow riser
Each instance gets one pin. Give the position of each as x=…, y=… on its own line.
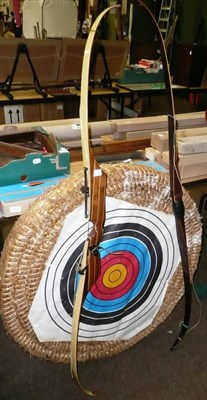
x=97, y=217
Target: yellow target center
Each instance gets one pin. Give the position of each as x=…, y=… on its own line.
x=114, y=275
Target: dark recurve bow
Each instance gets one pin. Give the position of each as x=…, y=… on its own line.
x=175, y=184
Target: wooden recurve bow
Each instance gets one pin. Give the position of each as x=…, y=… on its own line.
x=94, y=189
x=175, y=183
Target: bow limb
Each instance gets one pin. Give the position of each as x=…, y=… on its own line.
x=84, y=90
x=78, y=299
x=175, y=184
x=95, y=178
x=94, y=189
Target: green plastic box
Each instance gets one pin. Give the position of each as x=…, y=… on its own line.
x=41, y=164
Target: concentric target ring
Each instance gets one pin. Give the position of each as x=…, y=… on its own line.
x=130, y=284
x=141, y=249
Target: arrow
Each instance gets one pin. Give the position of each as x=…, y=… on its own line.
x=18, y=115
x=10, y=115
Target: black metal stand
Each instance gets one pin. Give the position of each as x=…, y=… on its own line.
x=5, y=87
x=106, y=81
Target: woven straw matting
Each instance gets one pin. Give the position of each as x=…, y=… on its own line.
x=32, y=239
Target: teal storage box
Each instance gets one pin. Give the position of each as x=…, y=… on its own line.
x=135, y=75
x=32, y=155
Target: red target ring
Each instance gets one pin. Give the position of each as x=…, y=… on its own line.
x=116, y=277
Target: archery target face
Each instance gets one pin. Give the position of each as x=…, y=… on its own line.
x=139, y=254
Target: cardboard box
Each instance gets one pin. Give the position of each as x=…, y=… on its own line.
x=18, y=113
x=159, y=140
x=31, y=112
x=44, y=55
x=116, y=52
x=192, y=167
x=51, y=111
x=138, y=135
x=192, y=144
x=153, y=154
x=195, y=131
